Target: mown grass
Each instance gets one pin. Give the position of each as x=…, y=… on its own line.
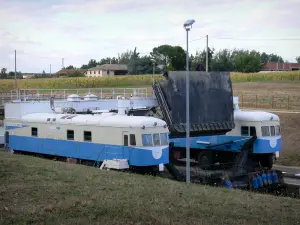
x=37, y=191
x=135, y=80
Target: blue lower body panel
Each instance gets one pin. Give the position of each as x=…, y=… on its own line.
x=90, y=151
x=261, y=145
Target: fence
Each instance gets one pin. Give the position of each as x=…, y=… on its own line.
x=286, y=102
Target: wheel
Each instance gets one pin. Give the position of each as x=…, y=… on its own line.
x=205, y=159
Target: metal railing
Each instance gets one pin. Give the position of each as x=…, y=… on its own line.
x=62, y=94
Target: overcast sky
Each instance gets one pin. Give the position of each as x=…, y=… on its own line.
x=45, y=31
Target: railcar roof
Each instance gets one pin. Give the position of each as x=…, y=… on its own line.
x=255, y=116
x=104, y=119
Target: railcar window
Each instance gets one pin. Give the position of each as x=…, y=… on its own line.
x=244, y=131
x=272, y=131
x=125, y=140
x=132, y=139
x=164, y=138
x=87, y=136
x=70, y=134
x=277, y=130
x=147, y=139
x=34, y=131
x=252, y=131
x=156, y=139
x=265, y=131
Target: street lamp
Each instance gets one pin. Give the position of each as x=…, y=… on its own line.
x=153, y=62
x=188, y=25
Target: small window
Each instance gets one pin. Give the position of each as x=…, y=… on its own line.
x=34, y=131
x=87, y=136
x=164, y=139
x=125, y=140
x=48, y=119
x=70, y=134
x=265, y=131
x=64, y=117
x=156, y=139
x=107, y=72
x=147, y=139
x=272, y=130
x=132, y=139
x=245, y=131
x=277, y=130
x=54, y=119
x=252, y=131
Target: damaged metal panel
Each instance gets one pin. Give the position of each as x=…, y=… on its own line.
x=211, y=102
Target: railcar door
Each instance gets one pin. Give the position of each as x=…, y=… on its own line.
x=125, y=136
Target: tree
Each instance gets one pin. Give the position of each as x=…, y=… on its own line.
x=70, y=67
x=170, y=56
x=223, y=61
x=124, y=58
x=133, y=62
x=246, y=61
x=298, y=59
x=3, y=73
x=200, y=58
x=264, y=58
x=275, y=58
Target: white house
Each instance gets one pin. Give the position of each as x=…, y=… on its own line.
x=107, y=70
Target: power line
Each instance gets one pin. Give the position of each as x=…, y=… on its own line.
x=258, y=39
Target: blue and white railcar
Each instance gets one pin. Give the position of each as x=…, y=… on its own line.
x=143, y=141
x=264, y=125
x=223, y=148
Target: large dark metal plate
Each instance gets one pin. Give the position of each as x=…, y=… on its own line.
x=211, y=102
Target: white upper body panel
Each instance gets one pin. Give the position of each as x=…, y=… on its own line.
x=254, y=116
x=104, y=120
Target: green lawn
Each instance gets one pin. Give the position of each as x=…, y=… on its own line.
x=39, y=191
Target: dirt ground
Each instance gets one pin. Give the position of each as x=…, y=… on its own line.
x=290, y=130
x=272, y=88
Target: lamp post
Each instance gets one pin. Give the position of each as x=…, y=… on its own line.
x=188, y=25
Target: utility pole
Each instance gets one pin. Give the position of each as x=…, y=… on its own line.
x=50, y=69
x=62, y=63
x=206, y=67
x=16, y=70
x=16, y=86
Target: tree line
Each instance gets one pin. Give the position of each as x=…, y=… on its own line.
x=167, y=57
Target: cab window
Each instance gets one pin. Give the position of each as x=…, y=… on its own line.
x=272, y=130
x=156, y=139
x=277, y=130
x=147, y=140
x=265, y=131
x=164, y=139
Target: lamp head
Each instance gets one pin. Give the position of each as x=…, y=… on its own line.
x=188, y=24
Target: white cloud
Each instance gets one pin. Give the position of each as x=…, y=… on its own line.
x=79, y=30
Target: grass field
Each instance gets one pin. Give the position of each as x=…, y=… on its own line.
x=38, y=191
x=127, y=81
